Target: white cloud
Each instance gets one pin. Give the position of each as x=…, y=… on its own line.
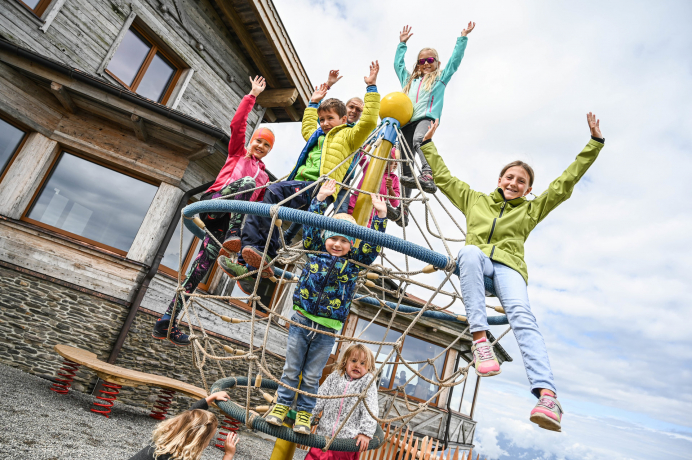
x=609, y=269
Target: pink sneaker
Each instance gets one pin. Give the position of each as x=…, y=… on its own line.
x=485, y=359
x=548, y=413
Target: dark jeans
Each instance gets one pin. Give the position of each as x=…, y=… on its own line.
x=257, y=228
x=413, y=135
x=222, y=226
x=342, y=199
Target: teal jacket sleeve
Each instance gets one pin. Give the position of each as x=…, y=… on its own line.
x=561, y=188
x=455, y=60
x=400, y=64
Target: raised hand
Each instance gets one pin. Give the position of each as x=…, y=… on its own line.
x=327, y=189
x=594, y=125
x=333, y=78
x=380, y=206
x=468, y=29
x=405, y=34
x=320, y=92
x=431, y=130
x=258, y=85
x=229, y=446
x=374, y=70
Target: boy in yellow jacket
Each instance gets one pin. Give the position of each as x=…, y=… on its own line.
x=327, y=147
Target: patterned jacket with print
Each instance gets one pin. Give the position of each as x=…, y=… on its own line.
x=328, y=283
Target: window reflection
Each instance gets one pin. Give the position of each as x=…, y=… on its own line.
x=32, y=3
x=171, y=257
x=10, y=138
x=93, y=202
x=129, y=57
x=156, y=79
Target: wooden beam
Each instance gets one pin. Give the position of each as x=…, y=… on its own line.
x=140, y=129
x=277, y=97
x=270, y=116
x=292, y=113
x=60, y=92
x=205, y=151
x=248, y=43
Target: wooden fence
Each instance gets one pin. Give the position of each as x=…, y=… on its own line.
x=400, y=445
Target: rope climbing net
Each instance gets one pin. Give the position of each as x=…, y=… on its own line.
x=385, y=285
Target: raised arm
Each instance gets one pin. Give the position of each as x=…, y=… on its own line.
x=561, y=188
x=310, y=118
x=399, y=62
x=457, y=54
x=458, y=191
x=236, y=146
x=367, y=253
x=371, y=111
x=311, y=235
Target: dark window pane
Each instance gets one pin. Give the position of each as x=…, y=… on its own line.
x=32, y=3
x=375, y=332
x=10, y=138
x=94, y=202
x=419, y=350
x=129, y=56
x=171, y=257
x=156, y=78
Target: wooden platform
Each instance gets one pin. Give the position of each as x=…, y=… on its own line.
x=126, y=377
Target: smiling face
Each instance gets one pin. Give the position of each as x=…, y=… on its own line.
x=338, y=246
x=428, y=68
x=259, y=148
x=357, y=365
x=354, y=109
x=514, y=183
x=330, y=119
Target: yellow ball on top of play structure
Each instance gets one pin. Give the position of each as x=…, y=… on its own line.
x=398, y=106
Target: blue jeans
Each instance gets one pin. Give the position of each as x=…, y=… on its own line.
x=307, y=352
x=511, y=290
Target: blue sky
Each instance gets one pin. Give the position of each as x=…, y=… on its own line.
x=608, y=269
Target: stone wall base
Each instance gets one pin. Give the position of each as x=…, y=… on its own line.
x=37, y=314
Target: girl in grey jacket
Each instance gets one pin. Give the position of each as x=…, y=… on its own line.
x=353, y=373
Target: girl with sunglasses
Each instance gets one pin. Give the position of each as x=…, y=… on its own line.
x=425, y=85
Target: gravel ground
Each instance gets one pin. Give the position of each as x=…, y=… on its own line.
x=38, y=424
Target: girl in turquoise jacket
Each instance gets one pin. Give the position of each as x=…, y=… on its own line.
x=425, y=86
x=497, y=226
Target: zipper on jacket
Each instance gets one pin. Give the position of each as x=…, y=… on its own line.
x=341, y=406
x=326, y=280
x=492, y=229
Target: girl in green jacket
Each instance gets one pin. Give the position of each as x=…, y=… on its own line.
x=425, y=86
x=497, y=226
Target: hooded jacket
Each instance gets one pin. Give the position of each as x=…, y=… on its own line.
x=360, y=422
x=428, y=103
x=238, y=165
x=328, y=283
x=500, y=227
x=341, y=141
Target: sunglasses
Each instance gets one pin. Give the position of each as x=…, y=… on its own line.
x=429, y=60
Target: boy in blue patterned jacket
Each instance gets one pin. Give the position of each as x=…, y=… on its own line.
x=322, y=301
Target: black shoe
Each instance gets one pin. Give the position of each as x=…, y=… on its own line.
x=177, y=337
x=394, y=214
x=426, y=181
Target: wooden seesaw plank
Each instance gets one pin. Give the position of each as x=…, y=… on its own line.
x=127, y=377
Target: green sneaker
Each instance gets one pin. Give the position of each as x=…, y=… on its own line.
x=231, y=268
x=277, y=415
x=302, y=425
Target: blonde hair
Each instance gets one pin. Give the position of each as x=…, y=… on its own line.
x=360, y=348
x=429, y=79
x=185, y=436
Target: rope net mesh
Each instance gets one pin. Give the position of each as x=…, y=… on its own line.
x=396, y=276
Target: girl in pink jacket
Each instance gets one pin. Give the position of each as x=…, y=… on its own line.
x=238, y=179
